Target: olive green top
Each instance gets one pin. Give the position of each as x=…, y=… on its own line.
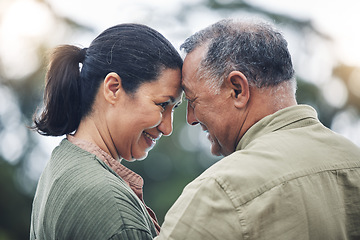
x=290, y=178
x=80, y=197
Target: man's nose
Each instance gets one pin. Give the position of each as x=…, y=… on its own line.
x=190, y=115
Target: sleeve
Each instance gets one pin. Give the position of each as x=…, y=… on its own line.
x=203, y=211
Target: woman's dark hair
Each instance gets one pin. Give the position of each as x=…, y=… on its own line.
x=137, y=53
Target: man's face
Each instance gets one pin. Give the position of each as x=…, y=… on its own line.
x=213, y=111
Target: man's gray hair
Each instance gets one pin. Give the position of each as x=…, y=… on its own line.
x=254, y=48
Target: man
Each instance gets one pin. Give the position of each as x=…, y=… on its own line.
x=284, y=175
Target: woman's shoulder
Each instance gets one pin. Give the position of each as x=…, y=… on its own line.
x=80, y=174
x=81, y=191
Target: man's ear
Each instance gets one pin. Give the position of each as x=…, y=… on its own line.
x=112, y=87
x=239, y=86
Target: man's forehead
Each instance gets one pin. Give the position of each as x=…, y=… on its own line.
x=193, y=59
x=188, y=81
x=191, y=68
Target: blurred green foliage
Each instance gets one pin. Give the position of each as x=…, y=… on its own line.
x=14, y=205
x=173, y=163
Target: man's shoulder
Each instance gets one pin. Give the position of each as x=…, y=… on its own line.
x=278, y=157
x=237, y=175
x=242, y=164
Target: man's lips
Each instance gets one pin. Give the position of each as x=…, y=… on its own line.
x=207, y=132
x=204, y=128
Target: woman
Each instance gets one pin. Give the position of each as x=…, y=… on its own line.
x=113, y=101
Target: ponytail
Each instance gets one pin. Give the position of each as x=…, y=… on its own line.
x=62, y=97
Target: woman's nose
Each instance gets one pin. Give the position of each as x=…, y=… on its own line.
x=166, y=126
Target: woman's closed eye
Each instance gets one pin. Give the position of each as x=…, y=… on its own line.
x=178, y=104
x=163, y=105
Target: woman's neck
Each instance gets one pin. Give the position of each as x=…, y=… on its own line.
x=91, y=131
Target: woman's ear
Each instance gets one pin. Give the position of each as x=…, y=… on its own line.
x=112, y=87
x=239, y=86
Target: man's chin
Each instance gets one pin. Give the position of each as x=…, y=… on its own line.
x=215, y=150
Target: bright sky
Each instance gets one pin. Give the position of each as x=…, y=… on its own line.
x=338, y=18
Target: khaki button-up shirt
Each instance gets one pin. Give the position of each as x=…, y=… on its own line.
x=290, y=178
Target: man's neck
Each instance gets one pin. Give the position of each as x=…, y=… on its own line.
x=267, y=101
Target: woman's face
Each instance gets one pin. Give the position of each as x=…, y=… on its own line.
x=140, y=119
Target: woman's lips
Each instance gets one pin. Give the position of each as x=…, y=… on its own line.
x=150, y=140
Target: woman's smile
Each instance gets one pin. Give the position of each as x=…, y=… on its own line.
x=150, y=140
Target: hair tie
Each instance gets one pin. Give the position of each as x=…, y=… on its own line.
x=82, y=55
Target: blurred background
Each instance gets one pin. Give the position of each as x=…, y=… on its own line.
x=323, y=39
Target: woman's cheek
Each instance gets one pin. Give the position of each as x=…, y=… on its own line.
x=152, y=120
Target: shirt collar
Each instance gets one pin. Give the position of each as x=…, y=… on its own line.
x=276, y=121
